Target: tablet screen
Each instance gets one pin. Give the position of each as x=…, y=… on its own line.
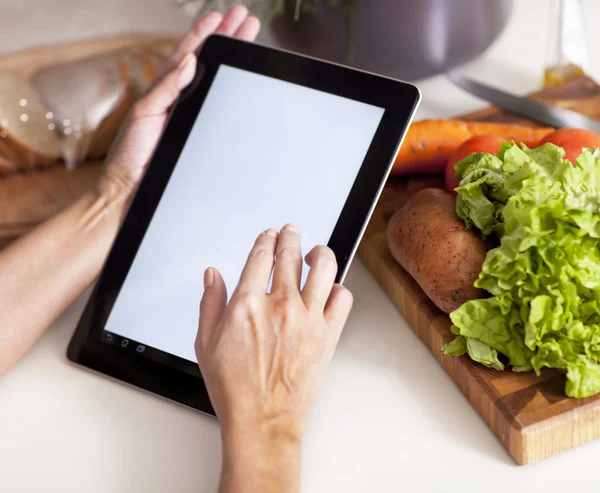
x=262, y=153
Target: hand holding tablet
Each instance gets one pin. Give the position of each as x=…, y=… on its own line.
x=138, y=138
x=259, y=139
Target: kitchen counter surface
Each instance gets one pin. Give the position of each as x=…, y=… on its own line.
x=388, y=420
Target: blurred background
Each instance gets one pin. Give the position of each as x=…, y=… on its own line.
x=70, y=69
x=408, y=39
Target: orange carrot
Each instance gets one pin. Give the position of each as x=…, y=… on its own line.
x=428, y=143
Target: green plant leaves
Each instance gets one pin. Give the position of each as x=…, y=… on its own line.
x=544, y=278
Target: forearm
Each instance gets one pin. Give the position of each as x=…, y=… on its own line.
x=45, y=270
x=258, y=462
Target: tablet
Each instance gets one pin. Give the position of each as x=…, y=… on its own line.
x=261, y=138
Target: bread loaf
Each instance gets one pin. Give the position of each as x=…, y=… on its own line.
x=10, y=155
x=73, y=111
x=29, y=138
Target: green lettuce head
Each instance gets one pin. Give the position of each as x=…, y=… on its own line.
x=544, y=278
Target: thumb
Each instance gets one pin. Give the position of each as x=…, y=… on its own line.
x=212, y=307
x=166, y=89
x=137, y=138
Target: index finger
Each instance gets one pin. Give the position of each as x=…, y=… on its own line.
x=259, y=266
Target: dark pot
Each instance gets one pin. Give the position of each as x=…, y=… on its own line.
x=406, y=39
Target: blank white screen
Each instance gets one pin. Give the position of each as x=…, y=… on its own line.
x=261, y=153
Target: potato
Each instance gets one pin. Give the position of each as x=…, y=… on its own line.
x=430, y=242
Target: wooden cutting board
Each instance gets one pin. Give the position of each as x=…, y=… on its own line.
x=530, y=415
x=26, y=62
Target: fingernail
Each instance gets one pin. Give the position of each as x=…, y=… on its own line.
x=291, y=227
x=209, y=278
x=185, y=61
x=271, y=232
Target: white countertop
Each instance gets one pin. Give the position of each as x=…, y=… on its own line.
x=389, y=419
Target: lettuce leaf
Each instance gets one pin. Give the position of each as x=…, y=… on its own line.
x=544, y=278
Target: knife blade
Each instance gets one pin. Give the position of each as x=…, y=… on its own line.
x=526, y=108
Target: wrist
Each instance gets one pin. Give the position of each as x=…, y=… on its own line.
x=265, y=454
x=265, y=437
x=98, y=211
x=286, y=431
x=114, y=196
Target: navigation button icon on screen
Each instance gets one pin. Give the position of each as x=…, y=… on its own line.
x=141, y=348
x=124, y=343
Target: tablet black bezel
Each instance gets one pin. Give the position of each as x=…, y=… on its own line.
x=180, y=381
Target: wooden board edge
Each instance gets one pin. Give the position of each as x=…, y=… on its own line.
x=98, y=42
x=458, y=369
x=560, y=433
x=25, y=62
x=525, y=445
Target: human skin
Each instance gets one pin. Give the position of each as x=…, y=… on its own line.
x=263, y=356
